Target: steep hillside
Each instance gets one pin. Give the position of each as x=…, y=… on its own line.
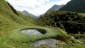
x=71, y=22
x=8, y=12
x=10, y=19
x=55, y=7
x=74, y=6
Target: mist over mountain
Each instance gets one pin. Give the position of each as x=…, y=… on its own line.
x=55, y=7
x=75, y=6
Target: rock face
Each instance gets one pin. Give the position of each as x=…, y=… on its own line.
x=51, y=43
x=31, y=32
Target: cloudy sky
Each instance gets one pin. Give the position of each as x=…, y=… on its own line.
x=36, y=7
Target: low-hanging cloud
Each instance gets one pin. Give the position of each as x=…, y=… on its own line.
x=36, y=7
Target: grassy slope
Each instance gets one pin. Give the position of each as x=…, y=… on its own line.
x=11, y=24
x=10, y=21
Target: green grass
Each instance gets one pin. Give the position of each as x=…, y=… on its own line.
x=15, y=39
x=51, y=32
x=9, y=21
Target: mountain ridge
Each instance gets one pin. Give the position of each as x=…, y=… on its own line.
x=74, y=6
x=28, y=14
x=55, y=7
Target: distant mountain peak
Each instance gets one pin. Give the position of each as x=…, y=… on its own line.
x=28, y=14
x=25, y=11
x=55, y=7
